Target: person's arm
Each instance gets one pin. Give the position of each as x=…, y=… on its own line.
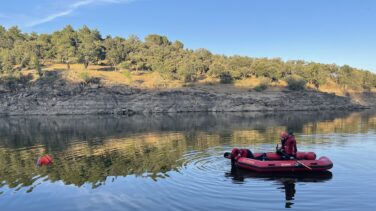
x=239, y=154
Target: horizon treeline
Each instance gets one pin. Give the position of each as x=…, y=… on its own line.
x=20, y=51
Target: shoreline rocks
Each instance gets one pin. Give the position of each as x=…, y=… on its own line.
x=70, y=99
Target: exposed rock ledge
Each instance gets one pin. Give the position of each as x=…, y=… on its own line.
x=60, y=98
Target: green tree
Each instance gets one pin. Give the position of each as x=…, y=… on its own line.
x=157, y=53
x=178, y=45
x=44, y=48
x=7, y=61
x=155, y=39
x=259, y=67
x=36, y=64
x=273, y=69
x=225, y=77
x=345, y=78
x=115, y=51
x=21, y=53
x=216, y=69
x=133, y=44
x=3, y=39
x=202, y=60
x=187, y=72
x=10, y=36
x=367, y=80
x=241, y=66
x=317, y=75
x=136, y=61
x=88, y=47
x=65, y=45
x=295, y=82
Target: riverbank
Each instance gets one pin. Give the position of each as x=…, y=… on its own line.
x=56, y=96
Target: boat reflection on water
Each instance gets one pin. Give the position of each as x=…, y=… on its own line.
x=285, y=180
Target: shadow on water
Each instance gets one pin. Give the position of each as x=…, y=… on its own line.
x=285, y=181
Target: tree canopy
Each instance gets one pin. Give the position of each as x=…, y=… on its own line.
x=20, y=50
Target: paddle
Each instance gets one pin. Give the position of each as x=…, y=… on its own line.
x=303, y=164
x=294, y=158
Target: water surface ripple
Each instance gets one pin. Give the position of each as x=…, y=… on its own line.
x=175, y=162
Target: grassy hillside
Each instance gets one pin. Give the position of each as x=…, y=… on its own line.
x=156, y=62
x=154, y=80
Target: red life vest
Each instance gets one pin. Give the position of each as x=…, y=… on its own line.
x=237, y=153
x=244, y=153
x=290, y=146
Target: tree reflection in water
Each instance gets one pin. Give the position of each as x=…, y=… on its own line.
x=88, y=149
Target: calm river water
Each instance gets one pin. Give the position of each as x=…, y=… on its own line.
x=175, y=162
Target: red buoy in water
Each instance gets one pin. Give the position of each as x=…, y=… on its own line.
x=44, y=160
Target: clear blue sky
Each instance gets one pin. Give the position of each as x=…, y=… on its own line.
x=327, y=31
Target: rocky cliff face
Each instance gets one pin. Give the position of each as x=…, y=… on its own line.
x=57, y=97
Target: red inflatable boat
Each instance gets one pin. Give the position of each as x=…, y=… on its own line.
x=306, y=161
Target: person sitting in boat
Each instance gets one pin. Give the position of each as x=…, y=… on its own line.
x=290, y=145
x=246, y=153
x=288, y=149
x=284, y=136
x=238, y=153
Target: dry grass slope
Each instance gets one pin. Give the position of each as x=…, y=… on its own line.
x=153, y=80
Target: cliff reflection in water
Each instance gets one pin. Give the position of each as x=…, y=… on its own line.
x=88, y=149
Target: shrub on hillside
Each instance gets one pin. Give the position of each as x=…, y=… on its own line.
x=84, y=76
x=93, y=80
x=263, y=85
x=87, y=79
x=187, y=73
x=126, y=74
x=225, y=78
x=189, y=76
x=235, y=74
x=295, y=82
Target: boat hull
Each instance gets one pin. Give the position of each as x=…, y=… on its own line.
x=306, y=161
x=322, y=164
